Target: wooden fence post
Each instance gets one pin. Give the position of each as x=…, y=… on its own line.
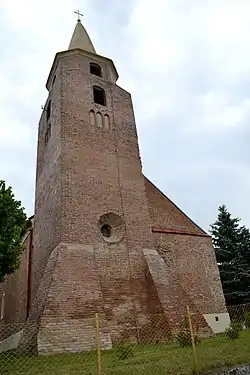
x=195, y=363
x=98, y=344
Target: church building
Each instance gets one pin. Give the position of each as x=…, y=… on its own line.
x=103, y=238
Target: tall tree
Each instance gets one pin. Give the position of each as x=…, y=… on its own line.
x=232, y=249
x=13, y=223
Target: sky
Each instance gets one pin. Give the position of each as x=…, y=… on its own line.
x=187, y=66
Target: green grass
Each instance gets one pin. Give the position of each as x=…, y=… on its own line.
x=149, y=359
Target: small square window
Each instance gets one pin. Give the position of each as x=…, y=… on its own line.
x=216, y=318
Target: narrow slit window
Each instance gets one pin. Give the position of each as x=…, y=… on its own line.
x=99, y=95
x=49, y=130
x=106, y=122
x=92, y=117
x=95, y=70
x=47, y=134
x=48, y=110
x=2, y=306
x=99, y=120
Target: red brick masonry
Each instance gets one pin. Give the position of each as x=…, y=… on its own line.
x=179, y=231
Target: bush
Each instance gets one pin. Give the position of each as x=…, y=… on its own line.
x=184, y=338
x=124, y=351
x=233, y=332
x=237, y=326
x=247, y=320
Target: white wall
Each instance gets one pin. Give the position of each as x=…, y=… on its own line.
x=218, y=322
x=11, y=342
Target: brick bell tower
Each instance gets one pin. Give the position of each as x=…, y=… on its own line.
x=91, y=213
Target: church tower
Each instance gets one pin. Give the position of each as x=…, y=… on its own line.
x=105, y=239
x=90, y=190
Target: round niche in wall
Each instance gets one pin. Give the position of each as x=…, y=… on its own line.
x=112, y=227
x=106, y=230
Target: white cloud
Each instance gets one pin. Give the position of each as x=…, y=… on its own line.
x=31, y=34
x=193, y=65
x=187, y=64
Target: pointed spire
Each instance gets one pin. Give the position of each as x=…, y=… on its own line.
x=80, y=39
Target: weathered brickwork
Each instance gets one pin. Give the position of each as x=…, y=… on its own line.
x=194, y=260
x=191, y=255
x=15, y=301
x=164, y=213
x=69, y=296
x=48, y=187
x=15, y=288
x=155, y=261
x=170, y=292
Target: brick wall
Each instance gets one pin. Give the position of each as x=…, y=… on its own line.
x=164, y=213
x=194, y=260
x=73, y=296
x=189, y=252
x=85, y=172
x=172, y=296
x=15, y=287
x=48, y=186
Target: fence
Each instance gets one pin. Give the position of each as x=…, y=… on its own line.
x=154, y=350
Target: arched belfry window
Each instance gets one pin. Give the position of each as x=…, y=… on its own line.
x=92, y=117
x=95, y=69
x=99, y=120
x=106, y=122
x=99, y=95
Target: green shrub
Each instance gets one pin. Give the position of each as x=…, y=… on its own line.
x=237, y=326
x=124, y=351
x=184, y=338
x=247, y=320
x=233, y=332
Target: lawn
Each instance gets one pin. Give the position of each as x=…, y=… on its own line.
x=149, y=359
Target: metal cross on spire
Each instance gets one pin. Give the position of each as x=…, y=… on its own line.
x=78, y=15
